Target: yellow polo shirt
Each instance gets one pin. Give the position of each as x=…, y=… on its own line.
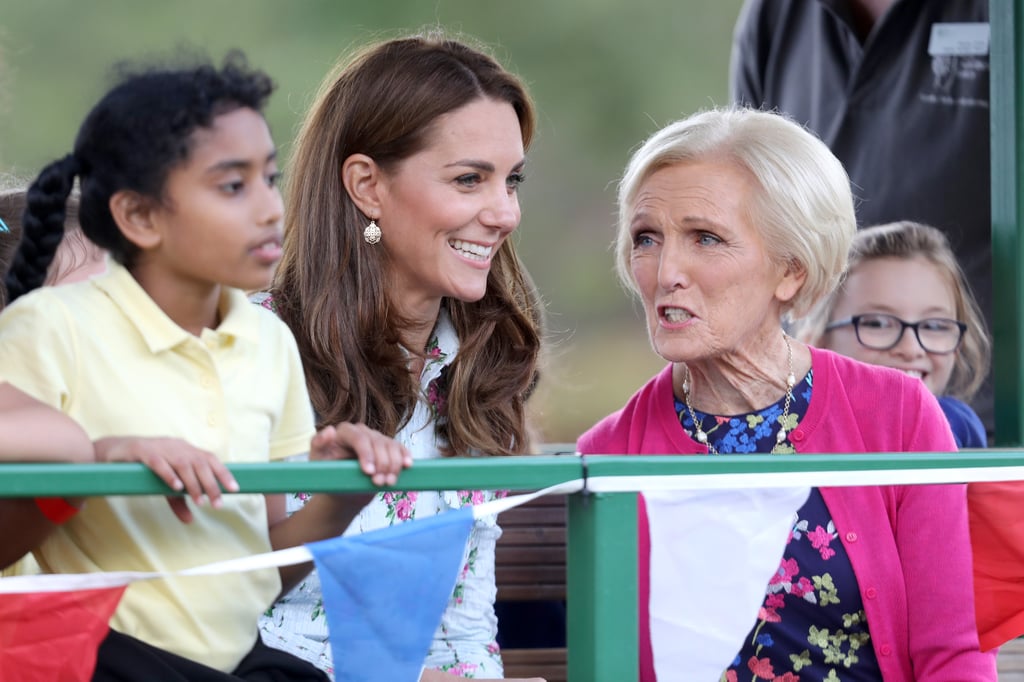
x=104, y=353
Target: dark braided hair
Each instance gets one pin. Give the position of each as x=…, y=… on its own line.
x=131, y=140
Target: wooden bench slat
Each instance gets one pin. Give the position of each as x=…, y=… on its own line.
x=518, y=556
x=533, y=536
x=530, y=566
x=530, y=593
x=549, y=664
x=532, y=575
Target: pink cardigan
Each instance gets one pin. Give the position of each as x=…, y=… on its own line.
x=908, y=545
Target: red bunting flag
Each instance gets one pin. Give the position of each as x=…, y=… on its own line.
x=996, y=512
x=47, y=636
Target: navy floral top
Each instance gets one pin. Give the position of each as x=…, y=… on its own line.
x=812, y=624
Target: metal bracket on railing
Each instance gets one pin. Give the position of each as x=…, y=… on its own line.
x=585, y=492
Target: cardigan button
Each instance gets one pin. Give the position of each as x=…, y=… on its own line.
x=851, y=537
x=886, y=650
x=871, y=593
x=797, y=435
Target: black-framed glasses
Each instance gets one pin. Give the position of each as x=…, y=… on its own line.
x=882, y=332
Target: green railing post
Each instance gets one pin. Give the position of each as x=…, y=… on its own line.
x=1007, y=142
x=602, y=591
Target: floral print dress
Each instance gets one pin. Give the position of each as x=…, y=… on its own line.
x=465, y=642
x=811, y=625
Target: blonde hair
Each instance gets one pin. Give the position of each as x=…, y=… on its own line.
x=803, y=204
x=906, y=240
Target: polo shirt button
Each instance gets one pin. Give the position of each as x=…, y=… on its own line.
x=851, y=537
x=871, y=593
x=797, y=435
x=886, y=650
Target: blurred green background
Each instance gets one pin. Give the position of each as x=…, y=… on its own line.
x=605, y=74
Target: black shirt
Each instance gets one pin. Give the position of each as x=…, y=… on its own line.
x=910, y=125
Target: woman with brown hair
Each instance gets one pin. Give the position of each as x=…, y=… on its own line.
x=412, y=312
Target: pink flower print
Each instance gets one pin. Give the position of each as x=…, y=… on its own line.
x=802, y=587
x=467, y=568
x=820, y=540
x=769, y=612
x=788, y=677
x=474, y=497
x=434, y=352
x=401, y=506
x=500, y=494
x=761, y=667
x=404, y=508
x=461, y=669
x=493, y=649
x=784, y=576
x=730, y=676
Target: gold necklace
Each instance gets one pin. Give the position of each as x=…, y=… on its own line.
x=702, y=436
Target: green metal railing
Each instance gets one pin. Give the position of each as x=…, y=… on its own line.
x=602, y=570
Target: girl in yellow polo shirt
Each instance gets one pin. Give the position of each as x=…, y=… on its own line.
x=162, y=360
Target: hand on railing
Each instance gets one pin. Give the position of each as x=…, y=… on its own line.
x=380, y=457
x=180, y=465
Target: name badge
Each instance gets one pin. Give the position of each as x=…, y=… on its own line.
x=959, y=40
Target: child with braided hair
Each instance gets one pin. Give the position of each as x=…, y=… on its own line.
x=163, y=360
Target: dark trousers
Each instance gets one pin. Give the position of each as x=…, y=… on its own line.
x=125, y=659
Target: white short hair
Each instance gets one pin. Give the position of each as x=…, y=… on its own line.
x=803, y=204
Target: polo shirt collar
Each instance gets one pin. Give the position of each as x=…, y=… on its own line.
x=239, y=318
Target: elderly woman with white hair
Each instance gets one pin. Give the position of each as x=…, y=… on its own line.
x=730, y=221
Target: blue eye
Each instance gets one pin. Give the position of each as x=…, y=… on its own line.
x=708, y=239
x=468, y=180
x=642, y=240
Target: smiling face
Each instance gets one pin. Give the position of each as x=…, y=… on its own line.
x=220, y=221
x=446, y=210
x=911, y=289
x=708, y=285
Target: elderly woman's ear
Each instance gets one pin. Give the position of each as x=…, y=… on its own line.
x=793, y=278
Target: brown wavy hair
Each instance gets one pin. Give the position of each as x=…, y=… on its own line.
x=334, y=291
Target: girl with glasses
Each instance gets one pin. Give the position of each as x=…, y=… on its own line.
x=904, y=303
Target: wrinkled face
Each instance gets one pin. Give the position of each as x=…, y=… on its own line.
x=708, y=285
x=446, y=210
x=911, y=289
x=220, y=223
